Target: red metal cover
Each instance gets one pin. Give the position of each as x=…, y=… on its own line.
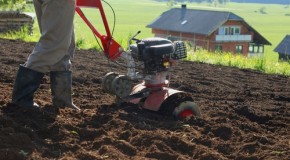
x=155, y=99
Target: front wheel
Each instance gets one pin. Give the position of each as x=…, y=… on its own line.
x=179, y=105
x=186, y=109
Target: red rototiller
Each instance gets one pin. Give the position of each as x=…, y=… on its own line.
x=153, y=58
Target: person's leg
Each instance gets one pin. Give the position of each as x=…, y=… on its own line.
x=55, y=19
x=61, y=89
x=26, y=83
x=57, y=47
x=61, y=80
x=57, y=31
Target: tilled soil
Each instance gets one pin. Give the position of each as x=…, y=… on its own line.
x=245, y=115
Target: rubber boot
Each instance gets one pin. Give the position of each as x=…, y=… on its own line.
x=61, y=89
x=26, y=83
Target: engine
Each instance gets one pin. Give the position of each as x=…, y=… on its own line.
x=157, y=54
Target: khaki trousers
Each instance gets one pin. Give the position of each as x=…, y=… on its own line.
x=56, y=44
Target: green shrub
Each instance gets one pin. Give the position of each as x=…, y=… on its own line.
x=16, y=5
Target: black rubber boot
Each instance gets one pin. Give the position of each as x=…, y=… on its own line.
x=61, y=89
x=26, y=83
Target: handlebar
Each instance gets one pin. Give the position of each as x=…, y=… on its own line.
x=133, y=38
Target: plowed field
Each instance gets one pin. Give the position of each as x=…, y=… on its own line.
x=245, y=115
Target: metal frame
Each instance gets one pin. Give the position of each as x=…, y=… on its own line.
x=111, y=48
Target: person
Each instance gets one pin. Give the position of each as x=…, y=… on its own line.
x=52, y=53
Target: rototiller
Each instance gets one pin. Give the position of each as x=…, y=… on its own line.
x=152, y=58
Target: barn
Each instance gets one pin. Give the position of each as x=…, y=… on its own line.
x=211, y=30
x=283, y=48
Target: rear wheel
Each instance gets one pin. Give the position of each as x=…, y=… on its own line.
x=122, y=86
x=107, y=81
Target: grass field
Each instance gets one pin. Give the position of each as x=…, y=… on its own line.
x=134, y=15
x=131, y=16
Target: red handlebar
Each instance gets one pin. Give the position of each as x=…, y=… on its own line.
x=111, y=48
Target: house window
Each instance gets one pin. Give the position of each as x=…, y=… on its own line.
x=261, y=49
x=256, y=48
x=229, y=30
x=251, y=48
x=239, y=48
x=218, y=48
x=236, y=30
x=222, y=31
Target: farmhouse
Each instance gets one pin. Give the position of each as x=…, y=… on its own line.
x=210, y=30
x=283, y=48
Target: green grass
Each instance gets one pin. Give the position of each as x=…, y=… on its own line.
x=134, y=15
x=131, y=16
x=227, y=59
x=22, y=34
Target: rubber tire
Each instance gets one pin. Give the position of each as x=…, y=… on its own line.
x=171, y=105
x=185, y=109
